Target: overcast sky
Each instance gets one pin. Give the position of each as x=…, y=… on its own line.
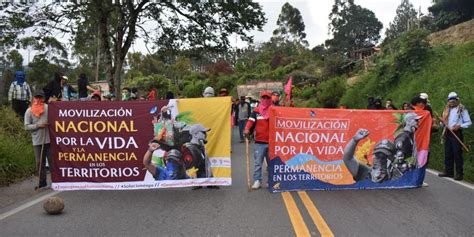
x=315, y=15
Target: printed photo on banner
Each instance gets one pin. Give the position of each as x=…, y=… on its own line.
x=327, y=149
x=140, y=144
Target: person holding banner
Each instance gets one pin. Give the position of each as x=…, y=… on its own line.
x=36, y=121
x=455, y=118
x=259, y=121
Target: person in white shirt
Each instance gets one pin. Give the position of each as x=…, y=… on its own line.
x=456, y=117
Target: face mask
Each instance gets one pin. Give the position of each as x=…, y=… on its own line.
x=265, y=102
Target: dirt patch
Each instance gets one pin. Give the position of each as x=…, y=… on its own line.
x=458, y=34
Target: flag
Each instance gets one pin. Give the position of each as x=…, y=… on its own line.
x=288, y=86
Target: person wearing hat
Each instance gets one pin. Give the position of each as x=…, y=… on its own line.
x=36, y=121
x=224, y=92
x=259, y=122
x=456, y=117
x=425, y=99
x=382, y=153
x=208, y=92
x=67, y=90
x=276, y=98
x=19, y=94
x=242, y=114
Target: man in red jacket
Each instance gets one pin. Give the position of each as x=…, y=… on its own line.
x=259, y=122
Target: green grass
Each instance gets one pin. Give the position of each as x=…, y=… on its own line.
x=17, y=159
x=446, y=69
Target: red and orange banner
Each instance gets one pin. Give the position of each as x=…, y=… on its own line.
x=321, y=149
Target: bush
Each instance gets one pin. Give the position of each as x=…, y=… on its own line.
x=17, y=158
x=413, y=48
x=308, y=92
x=330, y=92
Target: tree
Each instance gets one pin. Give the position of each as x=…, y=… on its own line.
x=451, y=12
x=15, y=60
x=290, y=25
x=180, y=24
x=352, y=27
x=405, y=20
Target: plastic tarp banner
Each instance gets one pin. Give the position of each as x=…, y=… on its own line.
x=334, y=149
x=104, y=145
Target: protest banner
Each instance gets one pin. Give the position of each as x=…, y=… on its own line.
x=332, y=149
x=103, y=145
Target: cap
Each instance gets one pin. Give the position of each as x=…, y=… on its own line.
x=196, y=128
x=38, y=93
x=384, y=146
x=65, y=78
x=277, y=93
x=265, y=93
x=223, y=91
x=424, y=96
x=208, y=92
x=452, y=95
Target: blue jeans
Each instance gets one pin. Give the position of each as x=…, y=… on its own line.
x=242, y=124
x=260, y=152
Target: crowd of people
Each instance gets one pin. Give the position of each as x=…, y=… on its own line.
x=250, y=115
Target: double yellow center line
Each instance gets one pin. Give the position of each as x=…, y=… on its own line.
x=297, y=220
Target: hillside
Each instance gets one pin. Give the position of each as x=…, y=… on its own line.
x=457, y=34
x=446, y=68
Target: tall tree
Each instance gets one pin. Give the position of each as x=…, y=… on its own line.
x=178, y=24
x=405, y=20
x=352, y=27
x=290, y=25
x=451, y=12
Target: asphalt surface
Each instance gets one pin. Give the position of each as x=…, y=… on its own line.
x=445, y=208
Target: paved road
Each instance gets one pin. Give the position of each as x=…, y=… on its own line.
x=445, y=208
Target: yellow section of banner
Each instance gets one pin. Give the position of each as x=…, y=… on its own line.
x=213, y=113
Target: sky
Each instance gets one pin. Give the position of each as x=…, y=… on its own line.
x=315, y=15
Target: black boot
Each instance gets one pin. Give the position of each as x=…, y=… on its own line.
x=445, y=175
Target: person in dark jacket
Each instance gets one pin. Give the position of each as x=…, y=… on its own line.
x=83, y=86
x=53, y=90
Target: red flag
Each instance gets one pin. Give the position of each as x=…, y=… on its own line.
x=152, y=94
x=288, y=88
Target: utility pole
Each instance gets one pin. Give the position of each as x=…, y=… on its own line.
x=97, y=57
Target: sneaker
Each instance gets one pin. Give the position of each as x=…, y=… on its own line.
x=445, y=175
x=424, y=184
x=458, y=177
x=256, y=184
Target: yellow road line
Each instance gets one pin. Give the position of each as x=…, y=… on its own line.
x=315, y=215
x=295, y=216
